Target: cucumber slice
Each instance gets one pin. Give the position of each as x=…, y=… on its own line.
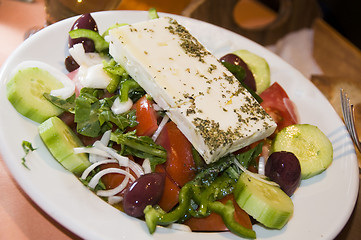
x=61, y=140
x=25, y=92
x=259, y=67
x=310, y=145
x=266, y=203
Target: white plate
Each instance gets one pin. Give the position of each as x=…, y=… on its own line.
x=323, y=203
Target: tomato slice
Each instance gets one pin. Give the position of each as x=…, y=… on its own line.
x=112, y=180
x=146, y=117
x=278, y=105
x=214, y=221
x=180, y=164
x=170, y=193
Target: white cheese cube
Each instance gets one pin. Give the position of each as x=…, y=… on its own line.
x=200, y=95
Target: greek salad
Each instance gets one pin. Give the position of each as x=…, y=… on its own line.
x=101, y=125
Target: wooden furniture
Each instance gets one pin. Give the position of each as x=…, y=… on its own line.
x=291, y=15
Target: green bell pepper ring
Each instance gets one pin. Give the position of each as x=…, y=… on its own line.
x=154, y=216
x=125, y=87
x=99, y=42
x=226, y=211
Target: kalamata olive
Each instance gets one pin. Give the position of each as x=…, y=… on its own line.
x=85, y=21
x=284, y=168
x=71, y=64
x=234, y=59
x=146, y=190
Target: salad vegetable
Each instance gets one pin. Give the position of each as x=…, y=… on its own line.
x=61, y=140
x=27, y=147
x=124, y=147
x=309, y=144
x=198, y=197
x=27, y=103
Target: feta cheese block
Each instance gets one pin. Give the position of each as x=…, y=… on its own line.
x=208, y=104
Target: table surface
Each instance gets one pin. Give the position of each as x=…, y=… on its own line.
x=20, y=217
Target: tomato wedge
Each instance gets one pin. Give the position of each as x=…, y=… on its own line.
x=214, y=221
x=146, y=117
x=180, y=164
x=112, y=180
x=170, y=193
x=278, y=105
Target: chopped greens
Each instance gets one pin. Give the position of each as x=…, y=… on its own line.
x=240, y=73
x=140, y=146
x=198, y=198
x=114, y=68
x=94, y=116
x=130, y=89
x=28, y=147
x=116, y=73
x=248, y=158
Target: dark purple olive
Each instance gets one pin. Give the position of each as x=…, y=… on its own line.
x=235, y=60
x=146, y=190
x=85, y=21
x=71, y=64
x=284, y=169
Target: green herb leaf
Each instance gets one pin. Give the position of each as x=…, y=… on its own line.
x=116, y=73
x=246, y=158
x=94, y=116
x=140, y=146
x=27, y=146
x=86, y=116
x=113, y=67
x=240, y=73
x=127, y=87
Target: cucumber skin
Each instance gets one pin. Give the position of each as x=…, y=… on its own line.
x=310, y=145
x=25, y=89
x=60, y=140
x=266, y=203
x=258, y=66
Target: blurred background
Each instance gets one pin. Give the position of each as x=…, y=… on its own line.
x=344, y=16
x=264, y=21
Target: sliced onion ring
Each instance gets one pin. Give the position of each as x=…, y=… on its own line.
x=261, y=166
x=123, y=161
x=94, y=181
x=160, y=127
x=114, y=191
x=94, y=165
x=106, y=137
x=91, y=150
x=146, y=166
x=114, y=199
x=83, y=58
x=136, y=168
x=259, y=177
